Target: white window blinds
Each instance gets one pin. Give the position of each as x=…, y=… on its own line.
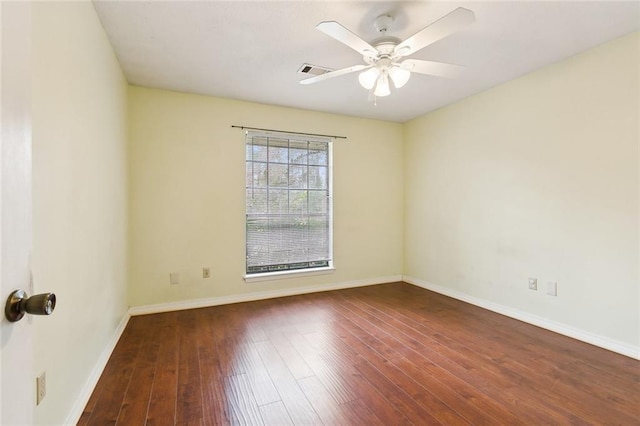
x=288, y=202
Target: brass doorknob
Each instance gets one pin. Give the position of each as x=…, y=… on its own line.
x=18, y=304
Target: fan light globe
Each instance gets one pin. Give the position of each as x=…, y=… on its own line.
x=382, y=87
x=399, y=76
x=368, y=78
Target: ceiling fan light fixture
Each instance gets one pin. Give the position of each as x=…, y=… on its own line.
x=368, y=78
x=399, y=76
x=382, y=86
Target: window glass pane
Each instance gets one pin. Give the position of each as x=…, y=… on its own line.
x=296, y=236
x=257, y=241
x=298, y=201
x=278, y=201
x=257, y=175
x=298, y=156
x=279, y=228
x=249, y=174
x=256, y=201
x=318, y=202
x=278, y=150
x=278, y=175
x=318, y=154
x=318, y=227
x=257, y=152
x=298, y=151
x=318, y=177
x=297, y=177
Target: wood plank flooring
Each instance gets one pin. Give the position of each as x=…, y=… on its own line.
x=386, y=354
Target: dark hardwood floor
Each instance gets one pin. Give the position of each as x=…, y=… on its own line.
x=386, y=354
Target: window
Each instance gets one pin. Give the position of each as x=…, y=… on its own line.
x=288, y=202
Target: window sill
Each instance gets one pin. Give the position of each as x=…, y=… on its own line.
x=269, y=276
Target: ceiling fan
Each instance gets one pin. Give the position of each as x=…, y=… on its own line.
x=384, y=57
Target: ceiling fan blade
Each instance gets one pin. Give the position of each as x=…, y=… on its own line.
x=447, y=25
x=343, y=35
x=335, y=73
x=439, y=69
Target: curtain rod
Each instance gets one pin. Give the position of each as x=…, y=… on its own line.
x=286, y=131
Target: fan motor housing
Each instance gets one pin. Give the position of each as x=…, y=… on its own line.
x=384, y=46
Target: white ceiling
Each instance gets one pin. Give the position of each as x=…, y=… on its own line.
x=252, y=50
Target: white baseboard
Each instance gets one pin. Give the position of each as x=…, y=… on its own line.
x=261, y=295
x=92, y=381
x=566, y=330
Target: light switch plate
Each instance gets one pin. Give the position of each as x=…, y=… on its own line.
x=41, y=387
x=552, y=288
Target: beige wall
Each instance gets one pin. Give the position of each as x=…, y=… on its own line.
x=79, y=198
x=186, y=200
x=535, y=178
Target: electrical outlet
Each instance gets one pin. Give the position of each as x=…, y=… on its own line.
x=206, y=272
x=174, y=278
x=41, y=387
x=533, y=284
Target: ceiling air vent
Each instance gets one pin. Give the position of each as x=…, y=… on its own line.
x=313, y=69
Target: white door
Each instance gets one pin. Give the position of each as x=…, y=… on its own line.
x=17, y=379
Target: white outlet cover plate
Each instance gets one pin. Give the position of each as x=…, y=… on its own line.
x=174, y=278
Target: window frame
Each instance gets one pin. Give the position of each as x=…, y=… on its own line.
x=291, y=273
